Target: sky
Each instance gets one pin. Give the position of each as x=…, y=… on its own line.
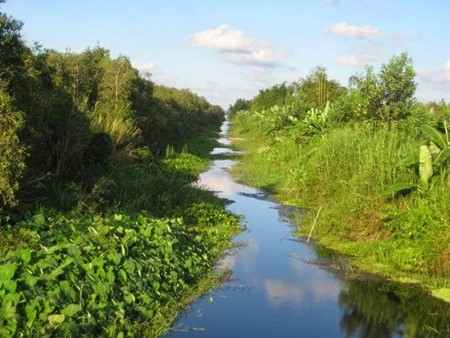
x=230, y=49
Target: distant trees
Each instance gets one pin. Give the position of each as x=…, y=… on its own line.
x=301, y=96
x=316, y=89
x=239, y=104
x=275, y=95
x=63, y=115
x=177, y=113
x=384, y=96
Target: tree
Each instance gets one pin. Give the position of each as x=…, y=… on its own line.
x=398, y=86
x=240, y=104
x=388, y=96
x=116, y=86
x=316, y=90
x=275, y=95
x=11, y=151
x=12, y=52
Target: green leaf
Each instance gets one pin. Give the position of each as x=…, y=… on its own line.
x=7, y=271
x=57, y=319
x=425, y=165
x=24, y=255
x=129, y=266
x=129, y=298
x=55, y=273
x=31, y=280
x=434, y=135
x=443, y=156
x=10, y=285
x=123, y=275
x=71, y=310
x=30, y=310
x=397, y=187
x=39, y=220
x=446, y=111
x=67, y=290
x=146, y=232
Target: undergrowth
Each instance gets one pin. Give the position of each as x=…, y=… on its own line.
x=343, y=171
x=124, y=260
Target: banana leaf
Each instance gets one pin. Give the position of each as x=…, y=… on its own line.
x=397, y=187
x=434, y=135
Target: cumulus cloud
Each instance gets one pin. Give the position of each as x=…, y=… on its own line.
x=439, y=77
x=236, y=47
x=434, y=83
x=361, y=56
x=351, y=31
x=148, y=67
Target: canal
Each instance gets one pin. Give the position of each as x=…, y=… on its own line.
x=282, y=286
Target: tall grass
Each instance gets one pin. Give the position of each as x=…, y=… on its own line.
x=122, y=130
x=344, y=170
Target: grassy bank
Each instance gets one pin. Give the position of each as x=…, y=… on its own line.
x=341, y=172
x=125, y=261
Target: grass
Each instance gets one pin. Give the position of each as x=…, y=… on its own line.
x=343, y=171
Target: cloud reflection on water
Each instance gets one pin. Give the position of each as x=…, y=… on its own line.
x=280, y=292
x=219, y=180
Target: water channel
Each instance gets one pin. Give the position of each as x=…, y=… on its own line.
x=281, y=286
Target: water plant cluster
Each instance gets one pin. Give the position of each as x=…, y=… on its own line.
x=374, y=160
x=117, y=275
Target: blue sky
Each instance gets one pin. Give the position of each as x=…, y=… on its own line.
x=225, y=50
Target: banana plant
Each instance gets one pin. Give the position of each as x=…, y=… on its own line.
x=432, y=156
x=314, y=123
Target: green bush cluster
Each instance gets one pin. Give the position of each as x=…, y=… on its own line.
x=108, y=276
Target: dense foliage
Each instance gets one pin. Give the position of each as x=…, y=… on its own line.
x=372, y=159
x=107, y=276
x=76, y=111
x=102, y=231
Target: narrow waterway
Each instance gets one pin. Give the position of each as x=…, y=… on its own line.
x=281, y=288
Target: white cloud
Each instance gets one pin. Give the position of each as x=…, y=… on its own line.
x=351, y=31
x=438, y=77
x=434, y=83
x=334, y=2
x=236, y=47
x=361, y=56
x=447, y=69
x=147, y=67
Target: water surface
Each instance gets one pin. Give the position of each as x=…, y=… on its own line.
x=279, y=288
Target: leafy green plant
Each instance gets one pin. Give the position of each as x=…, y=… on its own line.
x=432, y=158
x=315, y=122
x=109, y=276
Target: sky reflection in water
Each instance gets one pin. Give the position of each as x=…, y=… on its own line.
x=274, y=292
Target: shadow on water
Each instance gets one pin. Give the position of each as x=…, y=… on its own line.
x=282, y=286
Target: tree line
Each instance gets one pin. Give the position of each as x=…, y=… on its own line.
x=383, y=96
x=64, y=116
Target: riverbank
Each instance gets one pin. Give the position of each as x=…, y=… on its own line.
x=138, y=252
x=341, y=173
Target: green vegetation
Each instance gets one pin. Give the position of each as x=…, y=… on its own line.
x=102, y=232
x=106, y=275
x=359, y=157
